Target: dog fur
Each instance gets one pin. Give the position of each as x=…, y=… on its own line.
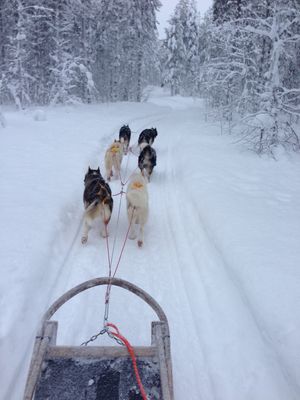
x=124, y=137
x=147, y=160
x=147, y=136
x=113, y=159
x=137, y=206
x=98, y=202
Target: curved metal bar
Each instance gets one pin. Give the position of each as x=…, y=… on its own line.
x=105, y=281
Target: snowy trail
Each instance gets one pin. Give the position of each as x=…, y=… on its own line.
x=194, y=261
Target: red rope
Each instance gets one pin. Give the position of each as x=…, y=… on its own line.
x=108, y=288
x=118, y=335
x=107, y=249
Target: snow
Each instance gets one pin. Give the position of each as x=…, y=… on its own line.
x=2, y=120
x=39, y=115
x=221, y=251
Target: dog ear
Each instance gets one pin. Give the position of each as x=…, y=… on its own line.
x=98, y=170
x=89, y=169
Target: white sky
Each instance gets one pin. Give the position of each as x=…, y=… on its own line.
x=168, y=7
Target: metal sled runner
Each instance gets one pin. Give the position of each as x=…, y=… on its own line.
x=99, y=372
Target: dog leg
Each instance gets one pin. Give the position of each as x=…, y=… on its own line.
x=132, y=232
x=85, y=233
x=141, y=236
x=104, y=231
x=109, y=174
x=132, y=220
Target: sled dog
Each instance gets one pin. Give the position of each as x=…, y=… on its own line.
x=124, y=137
x=137, y=206
x=147, y=136
x=97, y=201
x=147, y=160
x=113, y=159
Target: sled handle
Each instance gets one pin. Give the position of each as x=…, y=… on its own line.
x=106, y=281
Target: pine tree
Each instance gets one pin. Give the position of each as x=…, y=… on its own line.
x=126, y=42
x=227, y=10
x=18, y=75
x=71, y=77
x=182, y=44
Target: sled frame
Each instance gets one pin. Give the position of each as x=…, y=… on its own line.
x=45, y=340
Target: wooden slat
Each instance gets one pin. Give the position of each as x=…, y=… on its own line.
x=40, y=348
x=94, y=352
x=160, y=336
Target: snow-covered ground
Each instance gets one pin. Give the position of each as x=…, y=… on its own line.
x=221, y=251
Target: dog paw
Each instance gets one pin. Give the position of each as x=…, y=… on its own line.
x=84, y=239
x=140, y=243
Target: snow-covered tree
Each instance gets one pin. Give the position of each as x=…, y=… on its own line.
x=71, y=79
x=226, y=10
x=126, y=43
x=17, y=72
x=279, y=29
x=76, y=50
x=182, y=44
x=246, y=66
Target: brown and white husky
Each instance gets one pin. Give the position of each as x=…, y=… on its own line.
x=137, y=206
x=113, y=159
x=97, y=201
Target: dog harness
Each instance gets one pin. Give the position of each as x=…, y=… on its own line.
x=115, y=149
x=137, y=185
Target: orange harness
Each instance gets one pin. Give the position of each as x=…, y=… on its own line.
x=137, y=185
x=114, y=149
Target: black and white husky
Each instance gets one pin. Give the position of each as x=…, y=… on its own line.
x=137, y=206
x=147, y=160
x=97, y=201
x=124, y=137
x=147, y=136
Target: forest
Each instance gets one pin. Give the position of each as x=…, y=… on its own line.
x=242, y=57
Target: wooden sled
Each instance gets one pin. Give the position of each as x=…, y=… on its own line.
x=99, y=372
